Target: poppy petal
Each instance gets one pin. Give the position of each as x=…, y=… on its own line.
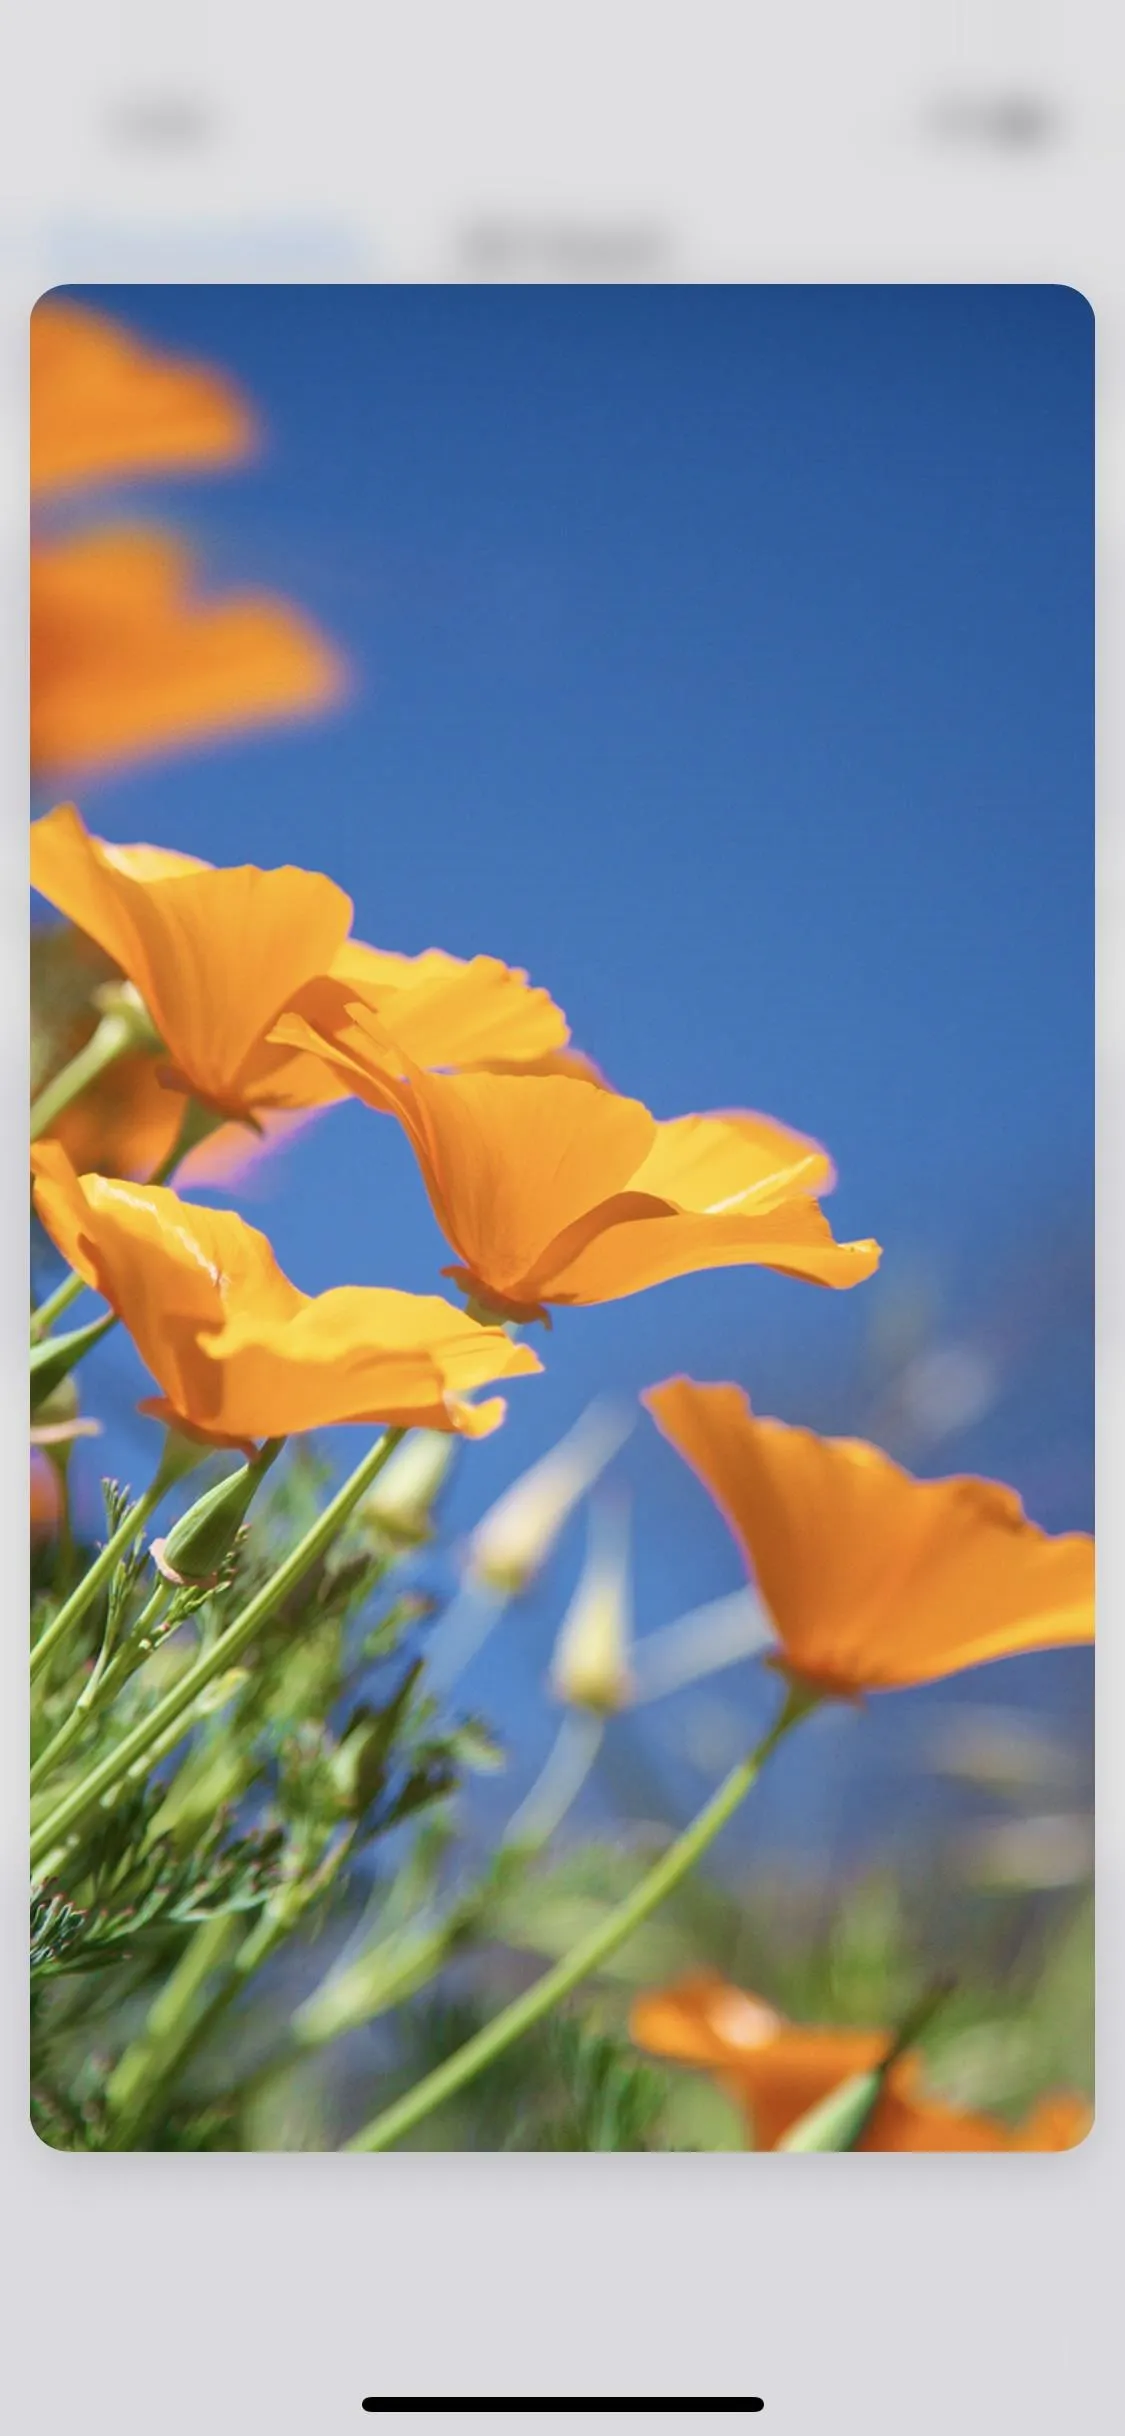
x=127, y=661
x=732, y=1163
x=875, y=1579
x=238, y=1351
x=105, y=405
x=214, y=954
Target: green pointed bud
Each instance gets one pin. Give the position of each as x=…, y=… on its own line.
x=401, y=1501
x=55, y=1358
x=840, y=2119
x=193, y=1552
x=590, y=1669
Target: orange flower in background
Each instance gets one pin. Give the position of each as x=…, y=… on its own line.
x=238, y=1351
x=777, y=2070
x=874, y=1579
x=552, y=1189
x=105, y=405
x=46, y=1499
x=127, y=661
x=216, y=954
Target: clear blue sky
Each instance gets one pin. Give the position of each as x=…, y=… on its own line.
x=724, y=656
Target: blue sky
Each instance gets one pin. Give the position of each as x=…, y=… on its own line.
x=723, y=656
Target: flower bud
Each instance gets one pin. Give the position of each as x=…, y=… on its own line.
x=400, y=1501
x=120, y=1002
x=516, y=1536
x=55, y=1358
x=193, y=1552
x=590, y=1667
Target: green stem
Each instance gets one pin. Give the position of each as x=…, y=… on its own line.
x=100, y=1684
x=56, y=1303
x=114, y=1034
x=147, y=2065
x=75, y=1606
x=168, y=1713
x=588, y=1954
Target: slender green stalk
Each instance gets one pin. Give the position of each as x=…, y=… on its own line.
x=142, y=2072
x=64, y=1295
x=558, y=1784
x=589, y=1953
x=114, y=1034
x=168, y=1713
x=74, y=1608
x=95, y=1690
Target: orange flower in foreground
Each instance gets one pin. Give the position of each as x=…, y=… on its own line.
x=874, y=1579
x=239, y=1353
x=127, y=661
x=214, y=954
x=552, y=1189
x=217, y=954
x=777, y=2070
x=104, y=405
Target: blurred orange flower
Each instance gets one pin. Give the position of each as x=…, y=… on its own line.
x=216, y=954
x=777, y=2070
x=46, y=1499
x=874, y=1579
x=105, y=405
x=127, y=661
x=555, y=1190
x=238, y=1351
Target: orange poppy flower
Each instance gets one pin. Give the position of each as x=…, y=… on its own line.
x=126, y=661
x=441, y=1010
x=105, y=405
x=214, y=954
x=182, y=932
x=556, y=1191
x=237, y=1350
x=874, y=1579
x=777, y=2070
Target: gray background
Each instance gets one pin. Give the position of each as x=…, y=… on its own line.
x=631, y=139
